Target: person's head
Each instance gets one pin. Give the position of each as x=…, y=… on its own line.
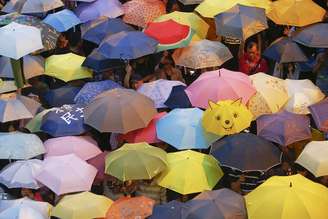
x=252, y=51
x=62, y=41
x=27, y=193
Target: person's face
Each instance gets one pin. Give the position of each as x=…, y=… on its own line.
x=175, y=7
x=62, y=41
x=253, y=52
x=236, y=186
x=27, y=193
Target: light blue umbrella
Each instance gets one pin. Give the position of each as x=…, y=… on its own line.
x=62, y=20
x=182, y=128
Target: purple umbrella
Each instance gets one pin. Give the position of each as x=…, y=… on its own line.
x=284, y=128
x=319, y=113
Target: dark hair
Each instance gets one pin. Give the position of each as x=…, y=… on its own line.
x=251, y=45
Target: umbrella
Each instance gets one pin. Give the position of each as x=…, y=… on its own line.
x=296, y=12
x=222, y=203
x=284, y=50
x=82, y=146
x=190, y=172
x=271, y=95
x=226, y=117
x=182, y=128
x=17, y=212
x=312, y=36
x=33, y=66
x=99, y=163
x=35, y=123
x=6, y=70
x=178, y=98
x=246, y=152
x=99, y=63
x=314, y=158
x=64, y=121
x=283, y=128
x=131, y=208
x=119, y=111
x=127, y=45
x=141, y=12
x=147, y=134
x=62, y=20
x=66, y=174
x=241, y=22
x=19, y=46
x=86, y=205
x=288, y=197
x=159, y=90
x=7, y=86
x=136, y=161
x=202, y=54
x=18, y=145
x=169, y=34
x=95, y=31
x=319, y=114
x=171, y=209
x=66, y=67
x=61, y=96
x=302, y=93
x=21, y=174
x=190, y=19
x=218, y=85
x=99, y=8
x=91, y=89
x=190, y=2
x=32, y=6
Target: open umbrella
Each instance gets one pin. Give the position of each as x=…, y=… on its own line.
x=99, y=163
x=171, y=209
x=320, y=115
x=6, y=69
x=312, y=36
x=190, y=2
x=32, y=6
x=33, y=66
x=178, y=98
x=18, y=212
x=100, y=63
x=62, y=20
x=7, y=86
x=61, y=96
x=35, y=123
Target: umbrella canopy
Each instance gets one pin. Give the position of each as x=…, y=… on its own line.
x=284, y=128
x=314, y=158
x=17, y=212
x=91, y=89
x=218, y=85
x=190, y=172
x=96, y=30
x=241, y=22
x=99, y=163
x=302, y=93
x=312, y=36
x=158, y=90
x=61, y=96
x=127, y=45
x=271, y=95
x=226, y=117
x=34, y=124
x=64, y=121
x=190, y=2
x=178, y=98
x=147, y=134
x=82, y=146
x=202, y=54
x=246, y=152
x=21, y=174
x=66, y=174
x=136, y=161
x=32, y=6
x=100, y=63
x=7, y=86
x=18, y=145
x=287, y=197
x=33, y=66
x=320, y=115
x=296, y=12
x=182, y=128
x=62, y=20
x=141, y=12
x=14, y=45
x=6, y=70
x=66, y=67
x=108, y=111
x=86, y=205
x=285, y=50
x=171, y=209
x=139, y=207
x=99, y=8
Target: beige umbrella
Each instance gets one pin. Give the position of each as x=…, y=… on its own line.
x=33, y=66
x=119, y=111
x=7, y=86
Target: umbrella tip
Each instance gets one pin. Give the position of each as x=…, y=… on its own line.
x=290, y=184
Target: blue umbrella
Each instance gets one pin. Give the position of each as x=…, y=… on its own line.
x=95, y=31
x=178, y=98
x=171, y=209
x=61, y=96
x=127, y=45
x=65, y=121
x=90, y=90
x=182, y=128
x=62, y=20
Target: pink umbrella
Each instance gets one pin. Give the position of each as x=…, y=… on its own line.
x=66, y=174
x=82, y=146
x=220, y=85
x=147, y=134
x=99, y=163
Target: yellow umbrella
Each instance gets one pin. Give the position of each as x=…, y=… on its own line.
x=226, y=117
x=288, y=197
x=83, y=205
x=136, y=161
x=190, y=172
x=296, y=12
x=66, y=67
x=190, y=19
